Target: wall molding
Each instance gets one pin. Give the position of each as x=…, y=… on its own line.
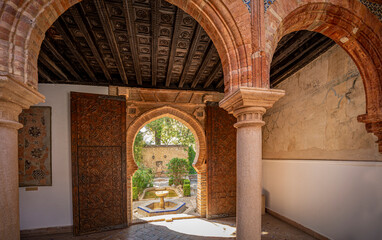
x=45, y=231
x=322, y=160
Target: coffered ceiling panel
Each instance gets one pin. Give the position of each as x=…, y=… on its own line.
x=152, y=44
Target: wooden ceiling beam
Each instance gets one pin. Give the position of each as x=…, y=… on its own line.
x=293, y=59
x=290, y=42
x=43, y=74
x=52, y=49
x=191, y=53
x=220, y=84
x=79, y=18
x=212, y=76
x=203, y=66
x=174, y=42
x=280, y=72
x=73, y=48
x=129, y=17
x=107, y=27
x=49, y=63
x=154, y=42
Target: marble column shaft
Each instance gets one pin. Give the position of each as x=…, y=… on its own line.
x=248, y=105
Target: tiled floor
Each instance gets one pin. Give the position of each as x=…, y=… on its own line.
x=197, y=228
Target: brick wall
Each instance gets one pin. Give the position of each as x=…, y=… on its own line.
x=221, y=162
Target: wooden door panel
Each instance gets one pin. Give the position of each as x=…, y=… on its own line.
x=98, y=162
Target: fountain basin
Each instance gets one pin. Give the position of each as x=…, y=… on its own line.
x=153, y=208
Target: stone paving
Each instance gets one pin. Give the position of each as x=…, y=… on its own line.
x=195, y=229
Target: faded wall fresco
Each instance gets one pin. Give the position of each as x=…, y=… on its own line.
x=317, y=118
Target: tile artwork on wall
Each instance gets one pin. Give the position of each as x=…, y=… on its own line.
x=34, y=147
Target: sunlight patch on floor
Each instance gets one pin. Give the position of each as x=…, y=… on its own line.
x=199, y=227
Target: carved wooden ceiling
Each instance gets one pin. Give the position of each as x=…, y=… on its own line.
x=148, y=43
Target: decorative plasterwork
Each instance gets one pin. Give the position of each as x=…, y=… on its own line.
x=200, y=114
x=374, y=7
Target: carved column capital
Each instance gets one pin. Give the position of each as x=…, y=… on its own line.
x=14, y=96
x=248, y=104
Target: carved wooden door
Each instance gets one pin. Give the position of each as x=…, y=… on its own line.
x=98, y=162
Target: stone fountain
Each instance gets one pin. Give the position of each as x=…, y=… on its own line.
x=162, y=207
x=162, y=195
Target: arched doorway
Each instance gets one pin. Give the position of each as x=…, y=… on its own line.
x=200, y=146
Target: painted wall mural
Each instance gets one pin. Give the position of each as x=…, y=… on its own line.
x=34, y=147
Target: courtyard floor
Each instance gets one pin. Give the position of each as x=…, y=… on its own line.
x=196, y=229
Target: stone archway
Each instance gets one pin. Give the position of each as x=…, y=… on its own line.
x=24, y=24
x=201, y=147
x=351, y=25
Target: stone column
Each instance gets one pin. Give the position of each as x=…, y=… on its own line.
x=248, y=105
x=13, y=98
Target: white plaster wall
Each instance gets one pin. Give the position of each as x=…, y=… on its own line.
x=52, y=206
x=321, y=168
x=340, y=200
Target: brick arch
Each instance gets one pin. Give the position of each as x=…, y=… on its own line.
x=166, y=111
x=24, y=24
x=350, y=24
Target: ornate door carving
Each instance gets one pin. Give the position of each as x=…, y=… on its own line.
x=221, y=163
x=98, y=162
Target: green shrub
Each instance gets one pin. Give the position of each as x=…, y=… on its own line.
x=135, y=193
x=177, y=169
x=142, y=178
x=170, y=182
x=186, y=190
x=186, y=181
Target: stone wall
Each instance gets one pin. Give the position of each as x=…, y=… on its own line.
x=321, y=168
x=157, y=157
x=317, y=118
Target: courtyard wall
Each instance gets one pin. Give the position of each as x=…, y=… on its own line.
x=321, y=168
x=157, y=157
